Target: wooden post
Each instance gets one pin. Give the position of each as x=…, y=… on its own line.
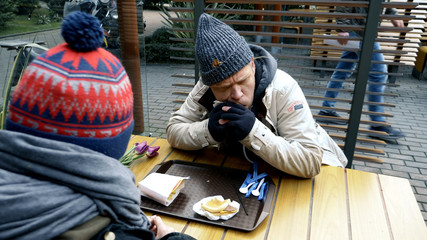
x=276, y=28
x=130, y=57
x=257, y=17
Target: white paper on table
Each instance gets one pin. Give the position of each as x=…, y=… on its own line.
x=350, y=43
x=162, y=188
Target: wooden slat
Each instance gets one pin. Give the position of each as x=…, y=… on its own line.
x=183, y=49
x=177, y=224
x=182, y=84
x=361, y=130
x=291, y=214
x=329, y=205
x=182, y=58
x=183, y=76
x=337, y=58
x=327, y=89
x=347, y=110
x=180, y=92
x=367, y=158
x=397, y=192
x=359, y=139
x=366, y=149
x=316, y=3
x=333, y=69
x=364, y=197
x=319, y=55
x=348, y=101
x=372, y=123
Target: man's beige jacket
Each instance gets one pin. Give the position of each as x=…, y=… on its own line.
x=289, y=139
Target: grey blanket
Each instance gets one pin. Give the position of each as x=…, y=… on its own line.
x=48, y=187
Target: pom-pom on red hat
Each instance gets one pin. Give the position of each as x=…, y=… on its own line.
x=76, y=92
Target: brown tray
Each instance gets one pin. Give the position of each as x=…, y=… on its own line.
x=208, y=180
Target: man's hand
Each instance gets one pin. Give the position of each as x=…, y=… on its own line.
x=398, y=23
x=238, y=120
x=217, y=128
x=343, y=41
x=158, y=227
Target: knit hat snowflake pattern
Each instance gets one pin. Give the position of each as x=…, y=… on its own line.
x=76, y=92
x=221, y=51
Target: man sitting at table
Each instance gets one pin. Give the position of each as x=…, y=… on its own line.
x=69, y=121
x=244, y=99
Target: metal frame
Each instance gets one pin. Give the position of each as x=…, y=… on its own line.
x=373, y=17
x=199, y=7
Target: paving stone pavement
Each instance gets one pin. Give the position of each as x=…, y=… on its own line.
x=406, y=158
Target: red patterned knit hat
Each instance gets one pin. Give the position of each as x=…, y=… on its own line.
x=76, y=92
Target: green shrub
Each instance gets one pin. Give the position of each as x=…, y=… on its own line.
x=54, y=16
x=190, y=15
x=161, y=35
x=7, y=7
x=42, y=15
x=156, y=48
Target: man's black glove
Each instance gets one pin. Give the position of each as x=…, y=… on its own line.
x=215, y=129
x=241, y=121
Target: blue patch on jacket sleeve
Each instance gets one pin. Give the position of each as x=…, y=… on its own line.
x=299, y=106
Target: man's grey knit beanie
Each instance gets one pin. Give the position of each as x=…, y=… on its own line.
x=221, y=51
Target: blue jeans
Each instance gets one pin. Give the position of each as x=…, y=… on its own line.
x=375, y=88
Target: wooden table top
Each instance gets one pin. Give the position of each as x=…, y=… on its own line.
x=336, y=204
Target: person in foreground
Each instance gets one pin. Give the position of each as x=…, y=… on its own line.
x=70, y=120
x=377, y=76
x=245, y=102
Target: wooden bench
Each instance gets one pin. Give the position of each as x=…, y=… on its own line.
x=400, y=48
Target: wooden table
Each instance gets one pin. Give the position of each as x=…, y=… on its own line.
x=337, y=204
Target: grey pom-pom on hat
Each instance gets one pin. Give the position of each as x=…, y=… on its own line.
x=221, y=51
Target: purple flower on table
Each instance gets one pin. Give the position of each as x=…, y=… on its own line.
x=141, y=147
x=137, y=151
x=152, y=151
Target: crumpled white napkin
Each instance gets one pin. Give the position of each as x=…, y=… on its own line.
x=197, y=207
